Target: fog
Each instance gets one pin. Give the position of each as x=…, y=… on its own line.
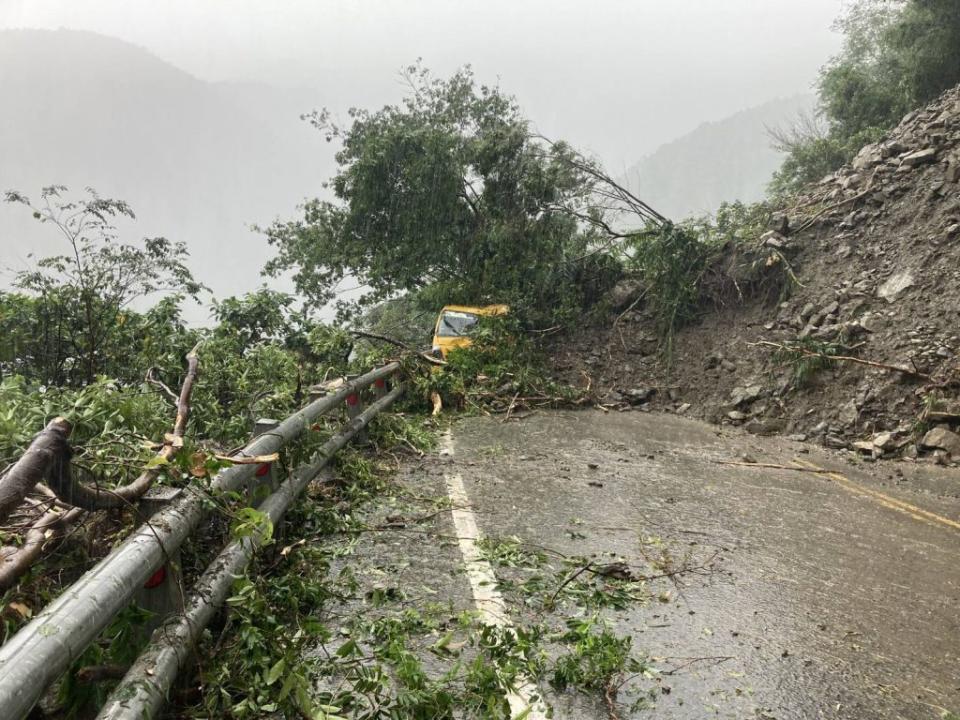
x=617, y=79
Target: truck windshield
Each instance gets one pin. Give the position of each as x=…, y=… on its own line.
x=456, y=324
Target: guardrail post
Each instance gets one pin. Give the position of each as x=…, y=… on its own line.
x=162, y=594
x=379, y=388
x=354, y=409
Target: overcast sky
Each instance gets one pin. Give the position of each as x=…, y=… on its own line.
x=615, y=77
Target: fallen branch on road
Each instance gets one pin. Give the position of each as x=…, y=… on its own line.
x=772, y=466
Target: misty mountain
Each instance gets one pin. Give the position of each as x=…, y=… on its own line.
x=730, y=159
x=197, y=161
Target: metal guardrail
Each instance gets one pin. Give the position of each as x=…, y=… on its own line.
x=48, y=645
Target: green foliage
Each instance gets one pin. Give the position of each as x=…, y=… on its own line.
x=597, y=656
x=508, y=552
x=811, y=157
x=74, y=326
x=110, y=422
x=806, y=357
x=450, y=197
x=501, y=364
x=671, y=263
x=897, y=55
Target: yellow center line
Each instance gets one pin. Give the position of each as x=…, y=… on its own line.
x=892, y=503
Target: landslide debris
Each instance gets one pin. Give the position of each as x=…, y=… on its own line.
x=872, y=253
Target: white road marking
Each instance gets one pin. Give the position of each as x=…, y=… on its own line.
x=524, y=700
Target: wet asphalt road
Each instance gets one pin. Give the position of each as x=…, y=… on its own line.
x=827, y=596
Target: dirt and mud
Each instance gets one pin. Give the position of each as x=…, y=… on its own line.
x=822, y=589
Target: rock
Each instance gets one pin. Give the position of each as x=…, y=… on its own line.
x=849, y=414
x=807, y=311
x=883, y=440
x=624, y=293
x=773, y=239
x=921, y=157
x=728, y=365
x=742, y=395
x=868, y=156
x=940, y=457
x=953, y=171
x=612, y=398
x=683, y=408
x=780, y=223
x=944, y=439
x=830, y=309
x=865, y=446
x=637, y=396
x=736, y=416
x=895, y=284
x=851, y=181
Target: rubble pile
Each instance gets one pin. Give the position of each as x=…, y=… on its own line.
x=873, y=251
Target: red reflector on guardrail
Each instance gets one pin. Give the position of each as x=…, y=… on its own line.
x=353, y=399
x=380, y=382
x=158, y=577
x=263, y=470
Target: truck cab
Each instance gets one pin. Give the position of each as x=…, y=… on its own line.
x=456, y=325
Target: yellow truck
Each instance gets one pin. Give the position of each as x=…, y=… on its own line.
x=457, y=323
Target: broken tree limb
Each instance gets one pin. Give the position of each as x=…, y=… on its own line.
x=772, y=466
x=397, y=343
x=92, y=497
x=251, y=460
x=46, y=450
x=844, y=358
x=15, y=561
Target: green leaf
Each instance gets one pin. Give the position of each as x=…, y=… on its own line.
x=276, y=671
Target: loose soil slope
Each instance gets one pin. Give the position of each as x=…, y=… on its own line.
x=875, y=253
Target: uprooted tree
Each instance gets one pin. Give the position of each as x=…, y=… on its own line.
x=450, y=195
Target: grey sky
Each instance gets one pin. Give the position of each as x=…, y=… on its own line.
x=615, y=77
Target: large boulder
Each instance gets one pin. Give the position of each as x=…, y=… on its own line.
x=942, y=438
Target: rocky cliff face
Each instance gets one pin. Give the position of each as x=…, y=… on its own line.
x=874, y=254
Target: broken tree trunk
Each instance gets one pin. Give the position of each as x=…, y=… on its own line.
x=36, y=464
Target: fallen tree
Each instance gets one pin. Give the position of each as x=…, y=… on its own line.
x=48, y=459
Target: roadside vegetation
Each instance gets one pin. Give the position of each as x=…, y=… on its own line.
x=897, y=55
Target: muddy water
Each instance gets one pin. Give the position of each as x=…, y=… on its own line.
x=818, y=596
